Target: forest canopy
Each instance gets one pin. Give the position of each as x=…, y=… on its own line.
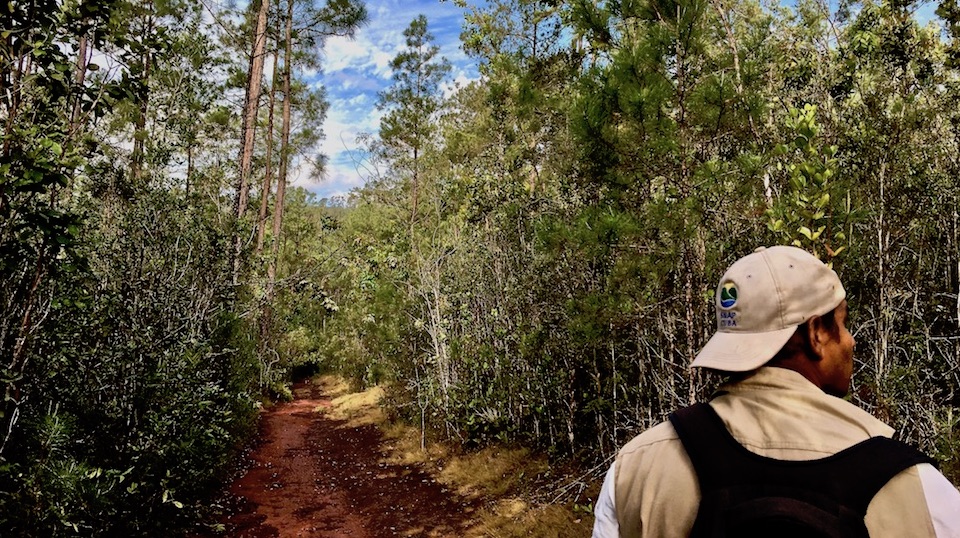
x=532, y=258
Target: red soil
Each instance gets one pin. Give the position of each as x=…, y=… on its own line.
x=310, y=475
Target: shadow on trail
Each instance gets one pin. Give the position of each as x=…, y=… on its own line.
x=310, y=475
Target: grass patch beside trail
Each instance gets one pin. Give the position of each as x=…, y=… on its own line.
x=357, y=408
x=518, y=487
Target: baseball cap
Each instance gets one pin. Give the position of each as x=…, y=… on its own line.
x=761, y=300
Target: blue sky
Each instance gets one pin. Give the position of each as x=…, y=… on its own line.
x=355, y=70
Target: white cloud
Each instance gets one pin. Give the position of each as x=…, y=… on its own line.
x=345, y=121
x=452, y=86
x=355, y=70
x=359, y=99
x=361, y=53
x=339, y=180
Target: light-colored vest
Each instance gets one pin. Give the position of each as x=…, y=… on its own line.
x=776, y=413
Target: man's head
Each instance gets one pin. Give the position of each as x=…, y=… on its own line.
x=761, y=301
x=822, y=351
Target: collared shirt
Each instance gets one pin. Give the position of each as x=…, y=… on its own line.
x=651, y=489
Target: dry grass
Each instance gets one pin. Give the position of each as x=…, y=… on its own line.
x=357, y=408
x=513, y=517
x=505, y=478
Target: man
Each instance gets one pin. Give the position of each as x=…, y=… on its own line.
x=781, y=334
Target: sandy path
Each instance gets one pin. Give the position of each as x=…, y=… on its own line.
x=310, y=475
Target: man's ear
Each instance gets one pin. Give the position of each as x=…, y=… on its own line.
x=817, y=335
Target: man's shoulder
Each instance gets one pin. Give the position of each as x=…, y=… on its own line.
x=656, y=487
x=657, y=436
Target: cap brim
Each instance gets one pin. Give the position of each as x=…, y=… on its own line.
x=741, y=352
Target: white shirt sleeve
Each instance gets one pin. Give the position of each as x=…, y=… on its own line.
x=943, y=501
x=605, y=524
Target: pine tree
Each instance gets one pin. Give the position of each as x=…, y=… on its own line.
x=411, y=105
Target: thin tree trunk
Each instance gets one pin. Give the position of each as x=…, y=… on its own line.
x=189, y=169
x=83, y=58
x=251, y=105
x=735, y=53
x=267, y=179
x=281, y=176
x=23, y=66
x=416, y=187
x=692, y=264
x=18, y=362
x=884, y=315
x=139, y=135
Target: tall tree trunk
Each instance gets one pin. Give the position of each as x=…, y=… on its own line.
x=190, y=167
x=251, y=105
x=956, y=253
x=885, y=314
x=415, y=190
x=266, y=318
x=267, y=179
x=139, y=134
x=83, y=58
x=693, y=247
x=18, y=362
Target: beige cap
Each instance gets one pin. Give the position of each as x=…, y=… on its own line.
x=761, y=300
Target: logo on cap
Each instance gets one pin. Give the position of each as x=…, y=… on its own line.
x=728, y=295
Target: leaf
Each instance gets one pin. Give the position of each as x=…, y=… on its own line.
x=806, y=232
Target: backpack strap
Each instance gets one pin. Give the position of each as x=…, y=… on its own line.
x=852, y=477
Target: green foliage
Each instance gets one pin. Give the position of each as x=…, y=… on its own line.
x=586, y=193
x=142, y=391
x=535, y=264
x=129, y=376
x=38, y=156
x=946, y=445
x=805, y=212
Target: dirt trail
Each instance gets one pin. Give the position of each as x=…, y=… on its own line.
x=311, y=475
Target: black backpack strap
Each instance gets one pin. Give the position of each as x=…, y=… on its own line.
x=852, y=477
x=869, y=465
x=706, y=441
